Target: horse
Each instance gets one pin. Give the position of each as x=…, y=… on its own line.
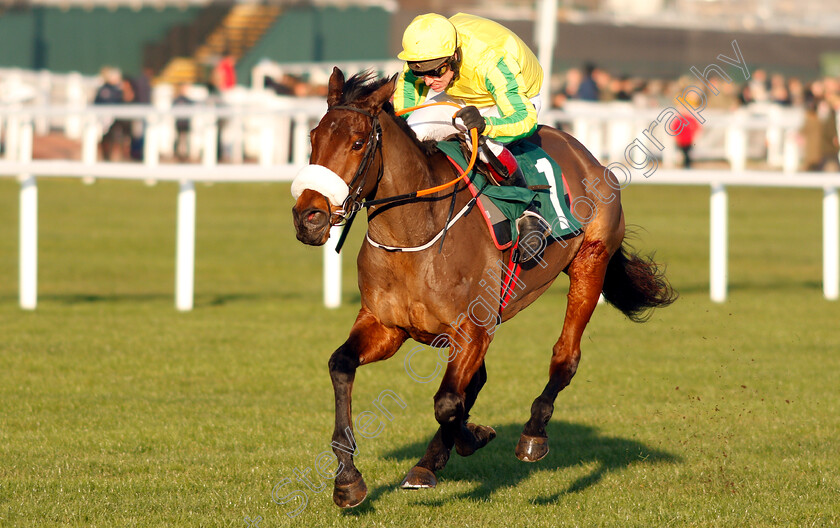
x=362, y=151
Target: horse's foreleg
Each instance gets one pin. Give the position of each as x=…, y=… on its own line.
x=369, y=341
x=586, y=279
x=464, y=378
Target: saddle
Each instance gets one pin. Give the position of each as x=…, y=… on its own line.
x=502, y=205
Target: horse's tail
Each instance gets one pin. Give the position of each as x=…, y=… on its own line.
x=635, y=285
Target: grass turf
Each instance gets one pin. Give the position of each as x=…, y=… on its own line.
x=119, y=411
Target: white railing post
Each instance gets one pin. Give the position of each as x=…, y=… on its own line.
x=718, y=242
x=43, y=98
x=13, y=138
x=736, y=143
x=90, y=145
x=151, y=141
x=284, y=138
x=790, y=151
x=775, y=137
x=831, y=240
x=545, y=30
x=209, y=150
x=185, y=252
x=75, y=100
x=332, y=270
x=670, y=158
x=28, y=273
x=152, y=128
x=619, y=130
x=580, y=127
x=268, y=141
x=300, y=150
x=237, y=139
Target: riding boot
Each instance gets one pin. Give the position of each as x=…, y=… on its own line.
x=533, y=228
x=533, y=234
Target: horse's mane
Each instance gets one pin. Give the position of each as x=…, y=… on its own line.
x=365, y=83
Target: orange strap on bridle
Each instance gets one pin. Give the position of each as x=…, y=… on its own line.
x=473, y=137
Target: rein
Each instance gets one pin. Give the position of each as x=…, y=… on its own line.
x=352, y=203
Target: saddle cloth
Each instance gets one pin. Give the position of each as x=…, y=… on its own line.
x=538, y=169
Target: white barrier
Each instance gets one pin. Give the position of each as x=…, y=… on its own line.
x=719, y=180
x=279, y=126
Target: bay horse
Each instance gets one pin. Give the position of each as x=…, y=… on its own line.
x=362, y=150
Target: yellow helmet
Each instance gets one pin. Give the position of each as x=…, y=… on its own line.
x=429, y=36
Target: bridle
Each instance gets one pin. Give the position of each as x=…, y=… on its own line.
x=353, y=203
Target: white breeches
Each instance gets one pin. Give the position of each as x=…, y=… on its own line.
x=435, y=122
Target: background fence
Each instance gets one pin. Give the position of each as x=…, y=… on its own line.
x=265, y=138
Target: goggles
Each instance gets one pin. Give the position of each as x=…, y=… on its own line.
x=438, y=71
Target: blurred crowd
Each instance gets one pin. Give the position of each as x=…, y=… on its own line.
x=295, y=85
x=819, y=99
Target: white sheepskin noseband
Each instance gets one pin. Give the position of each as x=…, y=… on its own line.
x=323, y=180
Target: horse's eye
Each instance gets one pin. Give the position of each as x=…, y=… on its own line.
x=358, y=144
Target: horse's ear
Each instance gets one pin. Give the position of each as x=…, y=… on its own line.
x=336, y=87
x=383, y=94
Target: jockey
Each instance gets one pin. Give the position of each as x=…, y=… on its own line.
x=476, y=62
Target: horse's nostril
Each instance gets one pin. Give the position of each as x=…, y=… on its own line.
x=315, y=218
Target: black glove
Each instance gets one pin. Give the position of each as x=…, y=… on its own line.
x=472, y=119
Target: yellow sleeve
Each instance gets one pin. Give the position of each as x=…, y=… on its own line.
x=506, y=84
x=411, y=91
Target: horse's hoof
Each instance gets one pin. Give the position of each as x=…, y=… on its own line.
x=350, y=495
x=531, y=448
x=482, y=435
x=419, y=477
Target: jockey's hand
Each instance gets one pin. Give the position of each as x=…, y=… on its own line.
x=472, y=118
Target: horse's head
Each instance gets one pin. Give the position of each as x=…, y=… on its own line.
x=344, y=162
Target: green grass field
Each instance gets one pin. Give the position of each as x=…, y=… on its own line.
x=116, y=410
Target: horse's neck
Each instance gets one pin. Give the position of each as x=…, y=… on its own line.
x=406, y=169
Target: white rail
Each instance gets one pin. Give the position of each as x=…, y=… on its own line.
x=718, y=215
x=276, y=129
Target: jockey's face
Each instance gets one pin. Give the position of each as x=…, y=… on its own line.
x=439, y=84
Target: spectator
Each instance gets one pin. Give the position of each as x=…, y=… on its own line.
x=182, y=125
x=588, y=89
x=797, y=92
x=569, y=89
x=685, y=139
x=828, y=120
x=623, y=88
x=811, y=133
x=603, y=80
x=224, y=74
x=779, y=93
x=759, y=86
x=111, y=93
x=745, y=97
x=819, y=132
x=133, y=129
x=142, y=85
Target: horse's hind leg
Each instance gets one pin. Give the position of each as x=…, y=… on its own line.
x=586, y=279
x=369, y=341
x=452, y=409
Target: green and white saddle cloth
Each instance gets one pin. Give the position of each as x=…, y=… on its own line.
x=539, y=170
